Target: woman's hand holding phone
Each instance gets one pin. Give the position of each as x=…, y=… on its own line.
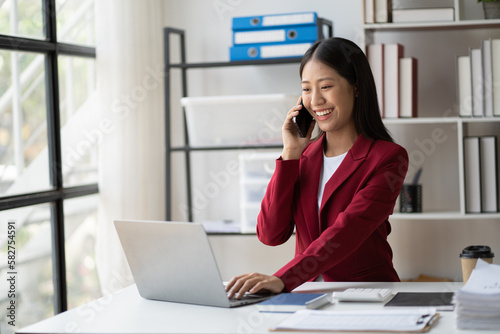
x=293, y=143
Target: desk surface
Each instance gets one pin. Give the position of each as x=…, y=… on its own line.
x=126, y=312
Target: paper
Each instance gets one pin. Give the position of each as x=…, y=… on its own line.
x=477, y=304
x=409, y=320
x=484, y=279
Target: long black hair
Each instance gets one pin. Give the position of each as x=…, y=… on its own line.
x=351, y=63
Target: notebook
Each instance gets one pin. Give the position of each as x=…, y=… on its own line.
x=291, y=302
x=173, y=261
x=442, y=301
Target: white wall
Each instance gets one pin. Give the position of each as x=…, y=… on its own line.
x=429, y=247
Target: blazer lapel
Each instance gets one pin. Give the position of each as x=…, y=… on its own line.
x=351, y=162
x=309, y=184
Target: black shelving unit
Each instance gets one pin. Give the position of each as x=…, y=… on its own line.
x=183, y=66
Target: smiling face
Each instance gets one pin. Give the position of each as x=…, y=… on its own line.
x=329, y=97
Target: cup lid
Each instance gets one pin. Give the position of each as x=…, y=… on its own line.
x=474, y=252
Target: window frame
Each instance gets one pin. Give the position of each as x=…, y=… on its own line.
x=51, y=48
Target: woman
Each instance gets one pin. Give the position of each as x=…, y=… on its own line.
x=338, y=190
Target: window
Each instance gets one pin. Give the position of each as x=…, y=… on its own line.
x=22, y=18
x=48, y=165
x=33, y=284
x=23, y=123
x=78, y=142
x=80, y=229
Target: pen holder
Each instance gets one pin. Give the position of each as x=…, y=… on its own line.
x=411, y=198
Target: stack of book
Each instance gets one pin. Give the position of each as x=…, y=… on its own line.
x=480, y=170
x=477, y=304
x=395, y=79
x=275, y=36
x=478, y=75
x=383, y=11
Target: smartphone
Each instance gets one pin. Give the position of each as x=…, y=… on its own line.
x=303, y=120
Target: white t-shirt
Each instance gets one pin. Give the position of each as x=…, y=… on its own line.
x=330, y=165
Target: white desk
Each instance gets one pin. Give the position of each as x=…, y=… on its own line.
x=126, y=312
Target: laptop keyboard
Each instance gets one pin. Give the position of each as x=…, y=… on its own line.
x=248, y=296
x=247, y=299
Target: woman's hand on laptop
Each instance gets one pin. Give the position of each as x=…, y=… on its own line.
x=253, y=283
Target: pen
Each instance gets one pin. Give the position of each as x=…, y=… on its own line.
x=417, y=176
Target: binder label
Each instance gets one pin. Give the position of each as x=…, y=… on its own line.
x=280, y=20
x=286, y=50
x=285, y=34
x=264, y=36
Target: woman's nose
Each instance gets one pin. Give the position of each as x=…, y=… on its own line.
x=317, y=99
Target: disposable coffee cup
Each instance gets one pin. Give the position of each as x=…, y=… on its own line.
x=469, y=258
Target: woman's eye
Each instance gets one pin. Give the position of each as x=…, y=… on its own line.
x=305, y=89
x=325, y=87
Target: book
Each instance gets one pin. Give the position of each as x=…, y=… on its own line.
x=489, y=181
x=442, y=301
x=495, y=75
x=291, y=302
x=408, y=87
x=472, y=172
x=423, y=15
x=464, y=86
x=369, y=11
x=267, y=51
x=375, y=55
x=383, y=11
x=286, y=35
x=409, y=320
x=476, y=65
x=487, y=78
x=266, y=21
x=392, y=54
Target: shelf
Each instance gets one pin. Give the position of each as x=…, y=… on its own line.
x=443, y=216
x=276, y=61
x=465, y=24
x=420, y=120
x=440, y=120
x=225, y=148
x=387, y=121
x=479, y=119
x=459, y=125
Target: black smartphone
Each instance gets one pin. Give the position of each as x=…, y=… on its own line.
x=303, y=120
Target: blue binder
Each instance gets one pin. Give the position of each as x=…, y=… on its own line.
x=268, y=51
x=283, y=35
x=277, y=20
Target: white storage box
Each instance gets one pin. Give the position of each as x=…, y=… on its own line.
x=249, y=215
x=257, y=165
x=256, y=170
x=236, y=120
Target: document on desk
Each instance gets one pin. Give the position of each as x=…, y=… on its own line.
x=478, y=302
x=414, y=320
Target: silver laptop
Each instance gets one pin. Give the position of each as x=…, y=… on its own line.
x=173, y=261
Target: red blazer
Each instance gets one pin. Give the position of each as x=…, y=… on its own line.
x=349, y=242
